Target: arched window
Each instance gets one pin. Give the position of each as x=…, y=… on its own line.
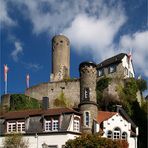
x=124, y=136
x=87, y=118
x=109, y=134
x=117, y=133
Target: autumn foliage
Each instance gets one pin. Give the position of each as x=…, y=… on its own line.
x=95, y=141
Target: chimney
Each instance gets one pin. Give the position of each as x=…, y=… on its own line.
x=45, y=103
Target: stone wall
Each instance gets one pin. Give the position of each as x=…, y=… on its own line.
x=53, y=90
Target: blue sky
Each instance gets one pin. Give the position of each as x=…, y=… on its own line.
x=97, y=30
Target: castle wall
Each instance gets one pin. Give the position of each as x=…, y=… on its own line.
x=53, y=90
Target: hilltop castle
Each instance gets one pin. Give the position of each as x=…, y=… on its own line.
x=79, y=94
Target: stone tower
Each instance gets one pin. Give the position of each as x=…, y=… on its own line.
x=88, y=102
x=60, y=58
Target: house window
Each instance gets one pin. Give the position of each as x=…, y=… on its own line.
x=100, y=72
x=11, y=127
x=124, y=136
x=55, y=125
x=87, y=118
x=112, y=68
x=20, y=127
x=116, y=133
x=86, y=93
x=48, y=125
x=109, y=134
x=76, y=125
x=126, y=71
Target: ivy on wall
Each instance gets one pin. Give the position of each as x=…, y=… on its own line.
x=21, y=101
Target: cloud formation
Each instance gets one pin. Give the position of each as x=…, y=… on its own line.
x=92, y=26
x=17, y=51
x=138, y=43
x=5, y=19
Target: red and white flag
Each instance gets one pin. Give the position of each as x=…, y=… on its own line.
x=130, y=56
x=5, y=72
x=27, y=80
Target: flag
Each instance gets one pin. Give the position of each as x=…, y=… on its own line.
x=27, y=80
x=130, y=56
x=5, y=72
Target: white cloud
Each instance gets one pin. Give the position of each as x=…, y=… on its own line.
x=5, y=19
x=138, y=42
x=33, y=66
x=17, y=51
x=89, y=34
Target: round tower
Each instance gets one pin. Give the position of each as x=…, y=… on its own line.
x=60, y=58
x=88, y=102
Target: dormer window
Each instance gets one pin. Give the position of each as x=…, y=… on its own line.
x=112, y=68
x=76, y=127
x=18, y=126
x=51, y=125
x=100, y=72
x=86, y=94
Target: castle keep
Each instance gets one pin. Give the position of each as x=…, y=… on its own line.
x=69, y=106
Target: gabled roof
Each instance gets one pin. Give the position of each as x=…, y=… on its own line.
x=37, y=112
x=112, y=60
x=104, y=115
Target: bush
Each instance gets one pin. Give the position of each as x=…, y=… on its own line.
x=95, y=141
x=15, y=141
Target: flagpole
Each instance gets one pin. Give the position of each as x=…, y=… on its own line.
x=6, y=87
x=5, y=77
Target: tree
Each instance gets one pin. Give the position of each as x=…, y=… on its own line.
x=95, y=141
x=15, y=140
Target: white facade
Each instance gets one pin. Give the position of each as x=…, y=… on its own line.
x=117, y=121
x=128, y=66
x=36, y=141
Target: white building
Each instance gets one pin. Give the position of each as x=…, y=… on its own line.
x=117, y=125
x=51, y=127
x=120, y=65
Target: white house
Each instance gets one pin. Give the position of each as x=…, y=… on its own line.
x=51, y=127
x=117, y=66
x=117, y=126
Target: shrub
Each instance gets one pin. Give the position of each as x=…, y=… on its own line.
x=95, y=141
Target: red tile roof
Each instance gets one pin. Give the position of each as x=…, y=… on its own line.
x=104, y=115
x=35, y=112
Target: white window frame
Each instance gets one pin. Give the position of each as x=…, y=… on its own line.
x=124, y=135
x=47, y=125
x=112, y=68
x=55, y=124
x=22, y=126
x=117, y=133
x=109, y=134
x=87, y=123
x=76, y=126
x=11, y=127
x=100, y=72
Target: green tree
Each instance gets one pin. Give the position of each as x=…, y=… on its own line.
x=15, y=140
